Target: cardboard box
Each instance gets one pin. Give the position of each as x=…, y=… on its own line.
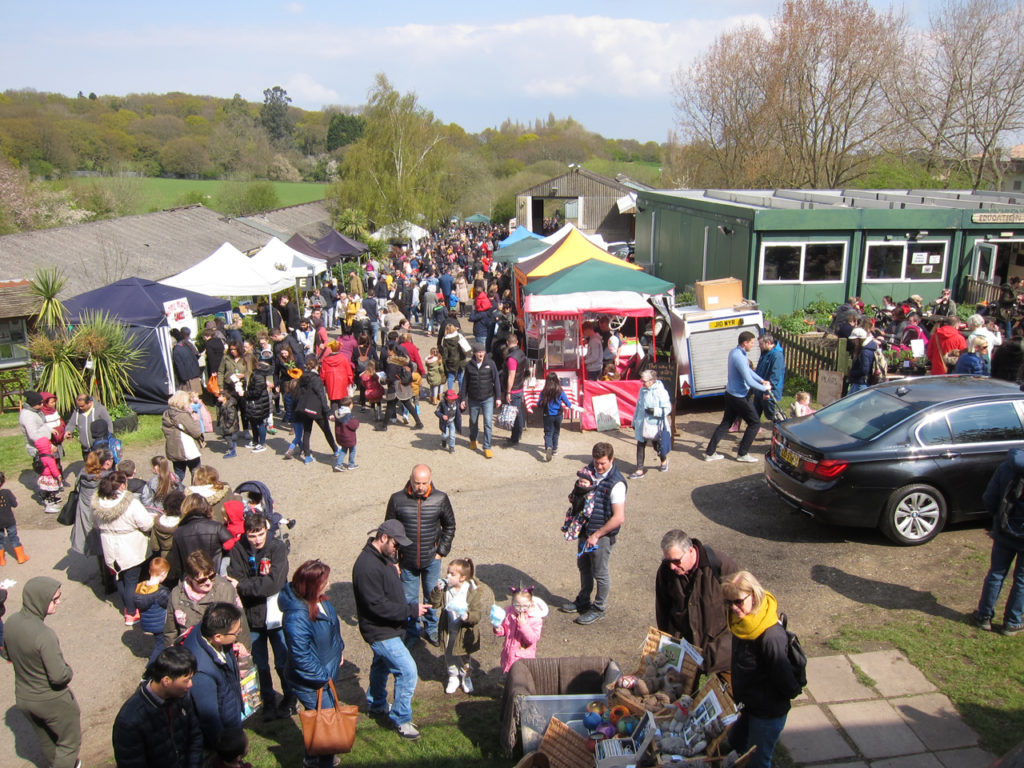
x=536, y=712
x=718, y=294
x=624, y=751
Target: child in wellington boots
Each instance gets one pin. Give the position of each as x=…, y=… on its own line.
x=8, y=525
x=461, y=602
x=521, y=628
x=51, y=480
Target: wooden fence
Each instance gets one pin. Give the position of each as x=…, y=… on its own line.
x=976, y=291
x=806, y=355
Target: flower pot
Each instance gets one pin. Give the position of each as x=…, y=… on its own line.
x=127, y=423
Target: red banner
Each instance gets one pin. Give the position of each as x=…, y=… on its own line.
x=626, y=394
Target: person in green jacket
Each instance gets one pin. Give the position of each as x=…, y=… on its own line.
x=41, y=676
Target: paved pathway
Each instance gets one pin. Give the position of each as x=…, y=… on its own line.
x=887, y=716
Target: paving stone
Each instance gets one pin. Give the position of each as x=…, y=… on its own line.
x=935, y=720
x=810, y=736
x=927, y=760
x=972, y=757
x=831, y=679
x=877, y=729
x=892, y=673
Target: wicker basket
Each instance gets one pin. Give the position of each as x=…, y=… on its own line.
x=565, y=748
x=688, y=669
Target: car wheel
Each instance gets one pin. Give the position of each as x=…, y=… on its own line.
x=915, y=514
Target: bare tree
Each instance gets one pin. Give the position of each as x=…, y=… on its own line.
x=965, y=94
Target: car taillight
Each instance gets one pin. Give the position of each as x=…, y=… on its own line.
x=826, y=469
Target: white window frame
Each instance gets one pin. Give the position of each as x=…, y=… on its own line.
x=941, y=278
x=802, y=245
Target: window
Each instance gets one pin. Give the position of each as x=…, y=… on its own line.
x=12, y=341
x=803, y=262
x=905, y=261
x=989, y=423
x=865, y=415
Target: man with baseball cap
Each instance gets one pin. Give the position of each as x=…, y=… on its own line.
x=383, y=614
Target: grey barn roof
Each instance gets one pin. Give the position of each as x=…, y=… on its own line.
x=151, y=246
x=893, y=199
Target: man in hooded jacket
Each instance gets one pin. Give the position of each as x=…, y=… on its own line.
x=41, y=676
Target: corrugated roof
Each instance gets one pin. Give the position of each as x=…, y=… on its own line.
x=893, y=199
x=16, y=299
x=311, y=220
x=151, y=246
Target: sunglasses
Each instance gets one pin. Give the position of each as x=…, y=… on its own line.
x=738, y=602
x=677, y=561
x=202, y=579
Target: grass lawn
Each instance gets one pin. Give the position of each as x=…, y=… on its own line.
x=158, y=194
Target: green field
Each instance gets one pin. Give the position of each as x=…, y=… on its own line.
x=150, y=194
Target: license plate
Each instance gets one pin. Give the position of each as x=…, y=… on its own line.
x=726, y=323
x=789, y=457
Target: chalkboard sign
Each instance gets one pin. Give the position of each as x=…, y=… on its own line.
x=665, y=369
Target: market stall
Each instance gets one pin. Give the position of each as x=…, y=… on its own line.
x=555, y=308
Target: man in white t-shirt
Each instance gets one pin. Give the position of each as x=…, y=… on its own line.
x=598, y=536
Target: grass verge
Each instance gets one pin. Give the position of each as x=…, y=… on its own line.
x=981, y=672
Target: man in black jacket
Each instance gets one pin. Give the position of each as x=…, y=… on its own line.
x=481, y=391
x=383, y=614
x=157, y=726
x=259, y=563
x=429, y=522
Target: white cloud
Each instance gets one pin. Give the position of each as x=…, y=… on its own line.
x=303, y=88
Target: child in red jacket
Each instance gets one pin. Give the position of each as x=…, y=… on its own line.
x=51, y=480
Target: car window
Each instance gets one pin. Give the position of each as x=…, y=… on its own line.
x=935, y=431
x=987, y=423
x=866, y=414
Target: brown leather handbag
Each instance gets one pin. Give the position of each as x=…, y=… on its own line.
x=329, y=731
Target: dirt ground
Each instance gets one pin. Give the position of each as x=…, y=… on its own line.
x=509, y=511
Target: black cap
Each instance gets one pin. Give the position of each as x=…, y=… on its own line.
x=393, y=529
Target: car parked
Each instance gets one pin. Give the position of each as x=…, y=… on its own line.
x=907, y=457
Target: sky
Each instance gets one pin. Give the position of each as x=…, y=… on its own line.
x=607, y=64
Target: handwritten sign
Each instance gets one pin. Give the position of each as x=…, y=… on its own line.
x=830, y=386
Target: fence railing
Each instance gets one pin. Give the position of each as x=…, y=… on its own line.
x=976, y=291
x=806, y=355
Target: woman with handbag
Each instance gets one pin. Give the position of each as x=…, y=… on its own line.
x=315, y=652
x=650, y=420
x=312, y=406
x=183, y=435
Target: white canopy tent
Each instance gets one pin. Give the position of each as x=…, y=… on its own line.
x=275, y=255
x=560, y=235
x=405, y=229
x=229, y=272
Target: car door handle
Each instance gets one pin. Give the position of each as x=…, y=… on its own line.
x=951, y=455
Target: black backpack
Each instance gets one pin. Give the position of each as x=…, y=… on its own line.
x=1010, y=513
x=795, y=653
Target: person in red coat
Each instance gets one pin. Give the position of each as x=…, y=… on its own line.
x=945, y=339
x=336, y=371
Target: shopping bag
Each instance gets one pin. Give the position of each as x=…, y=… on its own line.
x=329, y=731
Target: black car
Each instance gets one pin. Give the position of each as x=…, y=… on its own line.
x=907, y=456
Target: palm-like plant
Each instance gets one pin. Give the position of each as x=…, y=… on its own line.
x=46, y=285
x=61, y=373
x=109, y=355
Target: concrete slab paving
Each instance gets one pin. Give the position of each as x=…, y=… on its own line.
x=832, y=679
x=926, y=760
x=935, y=720
x=971, y=757
x=893, y=674
x=810, y=737
x=877, y=729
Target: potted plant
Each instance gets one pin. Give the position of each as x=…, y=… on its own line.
x=125, y=419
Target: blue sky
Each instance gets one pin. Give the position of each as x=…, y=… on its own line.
x=608, y=64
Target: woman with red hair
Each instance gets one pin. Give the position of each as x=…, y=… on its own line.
x=313, y=636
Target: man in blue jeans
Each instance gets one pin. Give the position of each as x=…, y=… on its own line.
x=1006, y=548
x=383, y=614
x=481, y=391
x=428, y=521
x=740, y=380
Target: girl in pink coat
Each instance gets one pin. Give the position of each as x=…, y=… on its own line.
x=521, y=628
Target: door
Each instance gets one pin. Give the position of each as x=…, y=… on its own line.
x=984, y=267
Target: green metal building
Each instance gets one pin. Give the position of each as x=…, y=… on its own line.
x=792, y=247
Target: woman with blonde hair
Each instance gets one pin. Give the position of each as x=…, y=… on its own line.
x=160, y=484
x=183, y=435
x=762, y=676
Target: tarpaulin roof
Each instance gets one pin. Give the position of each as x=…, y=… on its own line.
x=478, y=218
x=336, y=244
x=404, y=230
x=276, y=254
x=135, y=301
x=568, y=227
x=594, y=275
x=520, y=233
x=302, y=245
x=521, y=250
x=228, y=272
x=573, y=249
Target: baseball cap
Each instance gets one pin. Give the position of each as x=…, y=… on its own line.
x=858, y=333
x=476, y=346
x=393, y=529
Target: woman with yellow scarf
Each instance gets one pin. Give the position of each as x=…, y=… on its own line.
x=762, y=677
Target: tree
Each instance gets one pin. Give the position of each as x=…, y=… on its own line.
x=343, y=130
x=394, y=171
x=274, y=114
x=965, y=97
x=804, y=106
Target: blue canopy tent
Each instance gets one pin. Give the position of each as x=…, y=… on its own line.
x=521, y=233
x=139, y=304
